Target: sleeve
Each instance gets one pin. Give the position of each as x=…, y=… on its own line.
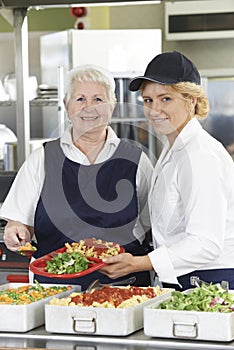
x=21, y=201
x=143, y=181
x=204, y=186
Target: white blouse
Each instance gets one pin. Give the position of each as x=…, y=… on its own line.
x=191, y=204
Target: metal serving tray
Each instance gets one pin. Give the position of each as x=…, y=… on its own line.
x=22, y=318
x=96, y=320
x=181, y=324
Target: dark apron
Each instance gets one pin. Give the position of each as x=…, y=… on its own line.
x=210, y=276
x=98, y=200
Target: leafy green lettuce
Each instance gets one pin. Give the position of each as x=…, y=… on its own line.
x=212, y=298
x=67, y=263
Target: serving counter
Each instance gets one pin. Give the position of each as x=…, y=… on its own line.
x=40, y=339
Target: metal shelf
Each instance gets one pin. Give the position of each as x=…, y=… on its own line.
x=40, y=102
x=37, y=102
x=40, y=338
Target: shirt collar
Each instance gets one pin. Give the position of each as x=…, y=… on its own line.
x=66, y=137
x=191, y=129
x=112, y=138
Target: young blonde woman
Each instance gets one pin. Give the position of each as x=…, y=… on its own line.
x=191, y=199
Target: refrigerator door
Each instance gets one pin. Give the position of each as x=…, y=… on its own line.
x=123, y=52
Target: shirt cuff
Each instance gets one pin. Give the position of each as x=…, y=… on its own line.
x=162, y=265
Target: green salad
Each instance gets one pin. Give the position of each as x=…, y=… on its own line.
x=67, y=263
x=212, y=298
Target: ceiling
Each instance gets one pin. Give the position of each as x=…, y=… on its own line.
x=58, y=3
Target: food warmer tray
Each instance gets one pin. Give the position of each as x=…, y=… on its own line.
x=194, y=325
x=22, y=318
x=97, y=320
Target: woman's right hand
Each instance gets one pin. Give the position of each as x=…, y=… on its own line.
x=16, y=234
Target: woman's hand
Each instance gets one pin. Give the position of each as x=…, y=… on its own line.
x=123, y=264
x=17, y=234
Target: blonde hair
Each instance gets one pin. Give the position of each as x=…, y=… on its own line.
x=189, y=90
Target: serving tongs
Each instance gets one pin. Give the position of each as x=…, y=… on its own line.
x=98, y=285
x=195, y=281
x=27, y=253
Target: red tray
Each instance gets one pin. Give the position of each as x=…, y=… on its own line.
x=38, y=266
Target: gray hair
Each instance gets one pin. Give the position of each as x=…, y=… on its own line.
x=93, y=74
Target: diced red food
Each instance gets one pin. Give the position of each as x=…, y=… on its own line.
x=110, y=294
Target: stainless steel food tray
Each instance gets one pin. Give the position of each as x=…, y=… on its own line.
x=96, y=320
x=194, y=325
x=22, y=318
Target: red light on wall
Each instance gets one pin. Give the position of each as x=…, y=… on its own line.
x=79, y=11
x=80, y=25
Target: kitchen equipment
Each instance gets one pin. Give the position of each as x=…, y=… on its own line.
x=12, y=266
x=193, y=325
x=98, y=285
x=47, y=91
x=195, y=281
x=28, y=250
x=6, y=135
x=10, y=152
x=97, y=320
x=10, y=156
x=22, y=318
x=25, y=252
x=10, y=87
x=120, y=53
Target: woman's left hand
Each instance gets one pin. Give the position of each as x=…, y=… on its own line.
x=123, y=264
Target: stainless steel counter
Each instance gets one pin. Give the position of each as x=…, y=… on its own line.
x=39, y=338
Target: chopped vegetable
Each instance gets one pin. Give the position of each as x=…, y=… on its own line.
x=67, y=263
x=29, y=293
x=27, y=246
x=212, y=298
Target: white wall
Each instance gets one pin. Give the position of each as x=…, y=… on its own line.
x=207, y=54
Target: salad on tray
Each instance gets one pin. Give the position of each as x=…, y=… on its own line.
x=211, y=298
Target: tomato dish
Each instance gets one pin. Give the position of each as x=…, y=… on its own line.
x=111, y=297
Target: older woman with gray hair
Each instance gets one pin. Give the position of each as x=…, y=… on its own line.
x=88, y=183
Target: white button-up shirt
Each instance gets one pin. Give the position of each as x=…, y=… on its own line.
x=191, y=204
x=21, y=201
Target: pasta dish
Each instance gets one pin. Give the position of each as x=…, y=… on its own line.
x=111, y=297
x=94, y=248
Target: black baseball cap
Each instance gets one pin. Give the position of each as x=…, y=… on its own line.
x=168, y=68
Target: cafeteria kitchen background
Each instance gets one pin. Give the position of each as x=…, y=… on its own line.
x=211, y=47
